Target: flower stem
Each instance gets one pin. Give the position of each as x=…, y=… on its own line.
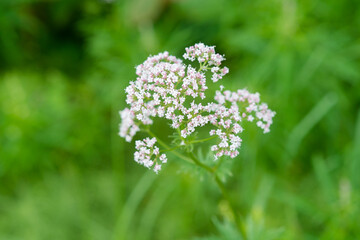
x=200, y=164
x=171, y=149
x=220, y=161
x=167, y=147
x=193, y=159
x=202, y=140
x=238, y=219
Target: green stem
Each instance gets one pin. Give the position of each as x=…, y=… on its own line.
x=158, y=139
x=193, y=159
x=238, y=219
x=200, y=164
x=171, y=149
x=220, y=161
x=212, y=171
x=203, y=67
x=167, y=147
x=202, y=140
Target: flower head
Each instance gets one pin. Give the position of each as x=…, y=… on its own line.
x=167, y=88
x=147, y=154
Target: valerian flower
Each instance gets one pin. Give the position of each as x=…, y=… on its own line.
x=165, y=84
x=147, y=154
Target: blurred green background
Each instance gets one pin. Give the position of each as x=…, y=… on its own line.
x=65, y=173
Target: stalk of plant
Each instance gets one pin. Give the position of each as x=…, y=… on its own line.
x=169, y=89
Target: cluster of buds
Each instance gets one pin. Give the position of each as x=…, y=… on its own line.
x=148, y=154
x=206, y=54
x=167, y=88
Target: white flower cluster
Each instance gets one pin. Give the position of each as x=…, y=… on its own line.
x=206, y=54
x=167, y=88
x=227, y=119
x=145, y=151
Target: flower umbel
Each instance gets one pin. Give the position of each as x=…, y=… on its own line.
x=168, y=88
x=147, y=154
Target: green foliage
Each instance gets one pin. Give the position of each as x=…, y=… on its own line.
x=66, y=174
x=227, y=231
